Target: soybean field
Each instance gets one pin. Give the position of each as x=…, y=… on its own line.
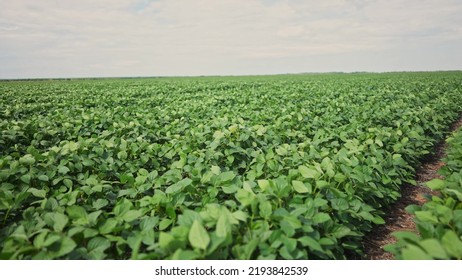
x=263, y=167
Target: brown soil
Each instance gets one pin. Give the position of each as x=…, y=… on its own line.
x=397, y=218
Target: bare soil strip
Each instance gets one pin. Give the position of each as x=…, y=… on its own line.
x=397, y=218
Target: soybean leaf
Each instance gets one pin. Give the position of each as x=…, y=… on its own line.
x=198, y=236
x=300, y=187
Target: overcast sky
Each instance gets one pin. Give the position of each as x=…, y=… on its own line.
x=87, y=38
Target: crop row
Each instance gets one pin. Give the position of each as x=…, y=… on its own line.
x=439, y=220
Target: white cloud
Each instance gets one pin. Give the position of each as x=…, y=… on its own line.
x=194, y=37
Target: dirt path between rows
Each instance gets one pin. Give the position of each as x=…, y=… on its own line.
x=398, y=219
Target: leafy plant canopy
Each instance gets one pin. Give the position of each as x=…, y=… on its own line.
x=277, y=167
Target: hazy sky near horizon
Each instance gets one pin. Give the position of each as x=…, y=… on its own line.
x=88, y=38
